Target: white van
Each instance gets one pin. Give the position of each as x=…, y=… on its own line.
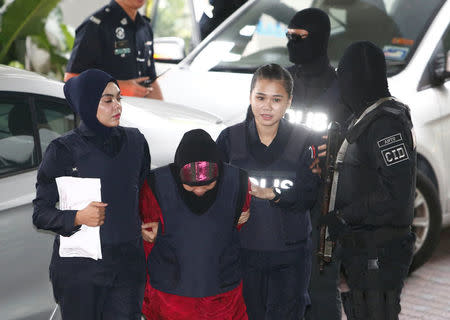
x=415, y=36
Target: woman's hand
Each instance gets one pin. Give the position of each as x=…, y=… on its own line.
x=262, y=193
x=149, y=231
x=93, y=215
x=244, y=217
x=322, y=149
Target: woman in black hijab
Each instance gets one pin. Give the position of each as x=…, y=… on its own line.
x=111, y=287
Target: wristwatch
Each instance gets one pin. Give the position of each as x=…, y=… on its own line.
x=277, y=192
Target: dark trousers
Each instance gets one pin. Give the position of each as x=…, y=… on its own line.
x=110, y=288
x=275, y=283
x=323, y=288
x=375, y=287
x=372, y=304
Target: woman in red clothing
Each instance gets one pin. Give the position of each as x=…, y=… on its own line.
x=193, y=257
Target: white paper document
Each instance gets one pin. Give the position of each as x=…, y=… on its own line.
x=75, y=194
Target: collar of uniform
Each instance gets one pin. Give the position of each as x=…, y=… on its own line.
x=85, y=131
x=283, y=130
x=118, y=10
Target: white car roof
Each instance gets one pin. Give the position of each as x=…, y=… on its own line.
x=13, y=79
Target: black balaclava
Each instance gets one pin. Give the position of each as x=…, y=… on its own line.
x=197, y=145
x=362, y=76
x=84, y=93
x=317, y=23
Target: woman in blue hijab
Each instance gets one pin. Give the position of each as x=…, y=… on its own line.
x=111, y=287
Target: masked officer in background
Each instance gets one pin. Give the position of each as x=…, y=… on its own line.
x=119, y=41
x=316, y=90
x=376, y=169
x=315, y=86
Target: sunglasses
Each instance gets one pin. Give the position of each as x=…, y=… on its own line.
x=295, y=36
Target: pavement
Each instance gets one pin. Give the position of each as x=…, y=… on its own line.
x=426, y=294
x=427, y=291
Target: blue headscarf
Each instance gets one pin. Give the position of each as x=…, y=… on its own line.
x=84, y=93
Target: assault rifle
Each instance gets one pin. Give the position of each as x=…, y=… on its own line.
x=333, y=143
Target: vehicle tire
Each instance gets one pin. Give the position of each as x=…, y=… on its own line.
x=427, y=220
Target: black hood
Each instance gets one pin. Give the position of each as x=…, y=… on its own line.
x=84, y=93
x=362, y=76
x=317, y=23
x=196, y=145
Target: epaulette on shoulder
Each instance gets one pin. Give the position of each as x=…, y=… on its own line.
x=100, y=15
x=147, y=19
x=95, y=20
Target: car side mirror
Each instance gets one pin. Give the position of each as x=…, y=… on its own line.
x=439, y=67
x=447, y=64
x=169, y=49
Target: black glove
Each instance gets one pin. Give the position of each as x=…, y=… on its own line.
x=336, y=225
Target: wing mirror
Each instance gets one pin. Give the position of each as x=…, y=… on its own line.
x=169, y=49
x=447, y=64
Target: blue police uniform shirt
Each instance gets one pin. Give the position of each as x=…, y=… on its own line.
x=110, y=41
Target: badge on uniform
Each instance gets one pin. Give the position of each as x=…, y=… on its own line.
x=393, y=150
x=122, y=47
x=120, y=33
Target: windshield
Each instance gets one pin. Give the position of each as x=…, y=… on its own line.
x=257, y=35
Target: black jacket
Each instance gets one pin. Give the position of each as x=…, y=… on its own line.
x=377, y=179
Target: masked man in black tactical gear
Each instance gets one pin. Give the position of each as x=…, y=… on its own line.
x=315, y=86
x=375, y=183
x=316, y=91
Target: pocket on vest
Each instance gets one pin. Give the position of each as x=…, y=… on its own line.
x=163, y=266
x=295, y=226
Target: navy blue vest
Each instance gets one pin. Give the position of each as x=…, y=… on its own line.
x=196, y=255
x=269, y=227
x=119, y=177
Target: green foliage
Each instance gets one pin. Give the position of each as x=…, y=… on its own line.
x=69, y=38
x=16, y=64
x=173, y=20
x=22, y=18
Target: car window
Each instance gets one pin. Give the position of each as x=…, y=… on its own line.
x=173, y=18
x=257, y=36
x=446, y=45
x=438, y=67
x=53, y=120
x=17, y=147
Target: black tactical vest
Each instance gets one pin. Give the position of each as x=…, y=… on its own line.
x=196, y=255
x=271, y=228
x=357, y=178
x=119, y=176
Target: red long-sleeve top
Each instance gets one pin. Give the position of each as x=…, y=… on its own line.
x=159, y=305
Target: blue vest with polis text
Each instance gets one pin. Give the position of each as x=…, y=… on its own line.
x=196, y=255
x=270, y=228
x=120, y=182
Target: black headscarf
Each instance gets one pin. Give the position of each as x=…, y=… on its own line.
x=196, y=145
x=84, y=93
x=317, y=23
x=362, y=76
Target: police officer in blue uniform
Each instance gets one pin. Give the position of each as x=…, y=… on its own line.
x=375, y=179
x=111, y=287
x=316, y=91
x=119, y=41
x=276, y=243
